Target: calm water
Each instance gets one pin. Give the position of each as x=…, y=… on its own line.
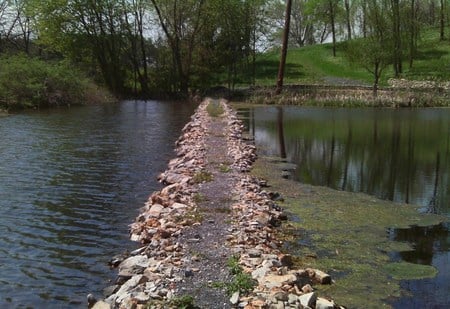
x=71, y=181
x=399, y=155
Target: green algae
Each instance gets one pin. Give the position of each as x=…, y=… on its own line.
x=346, y=234
x=410, y=271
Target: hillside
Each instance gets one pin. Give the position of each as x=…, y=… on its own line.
x=316, y=64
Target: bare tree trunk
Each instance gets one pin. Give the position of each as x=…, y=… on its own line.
x=333, y=25
x=287, y=22
x=442, y=21
x=348, y=21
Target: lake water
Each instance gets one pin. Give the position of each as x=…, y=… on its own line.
x=71, y=180
x=402, y=155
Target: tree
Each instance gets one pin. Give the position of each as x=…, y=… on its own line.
x=373, y=52
x=284, y=47
x=86, y=31
x=396, y=36
x=442, y=20
x=181, y=22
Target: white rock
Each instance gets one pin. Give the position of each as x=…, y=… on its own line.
x=141, y=261
x=234, y=298
x=101, y=305
x=308, y=300
x=323, y=303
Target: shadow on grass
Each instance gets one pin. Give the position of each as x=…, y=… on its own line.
x=266, y=69
x=431, y=54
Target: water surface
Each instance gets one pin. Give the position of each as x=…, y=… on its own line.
x=397, y=155
x=71, y=180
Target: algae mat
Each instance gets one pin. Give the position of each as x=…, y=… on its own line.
x=347, y=235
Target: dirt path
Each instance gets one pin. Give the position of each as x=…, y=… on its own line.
x=205, y=243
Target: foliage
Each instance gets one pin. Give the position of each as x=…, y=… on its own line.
x=202, y=176
x=183, y=302
x=241, y=282
x=32, y=83
x=214, y=109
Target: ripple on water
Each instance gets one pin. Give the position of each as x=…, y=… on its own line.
x=70, y=183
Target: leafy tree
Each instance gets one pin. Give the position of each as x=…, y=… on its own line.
x=373, y=52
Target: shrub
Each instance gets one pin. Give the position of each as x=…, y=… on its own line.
x=27, y=82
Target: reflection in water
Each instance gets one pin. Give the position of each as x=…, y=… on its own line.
x=397, y=155
x=71, y=181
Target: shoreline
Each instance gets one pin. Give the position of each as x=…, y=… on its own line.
x=209, y=237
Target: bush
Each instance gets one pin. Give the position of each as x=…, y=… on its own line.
x=27, y=82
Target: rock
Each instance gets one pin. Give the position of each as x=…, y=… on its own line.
x=271, y=280
x=322, y=277
x=254, y=253
x=292, y=299
x=308, y=300
x=285, y=174
x=307, y=288
x=323, y=303
x=130, y=284
x=179, y=206
x=101, y=305
x=260, y=272
x=277, y=305
x=91, y=300
x=156, y=210
x=285, y=260
x=234, y=298
x=110, y=290
x=281, y=295
x=134, y=263
x=141, y=298
x=258, y=304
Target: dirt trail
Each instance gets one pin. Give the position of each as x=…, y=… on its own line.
x=205, y=243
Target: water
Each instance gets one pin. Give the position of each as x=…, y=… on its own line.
x=398, y=155
x=71, y=181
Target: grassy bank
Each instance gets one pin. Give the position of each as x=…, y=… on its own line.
x=31, y=83
x=316, y=64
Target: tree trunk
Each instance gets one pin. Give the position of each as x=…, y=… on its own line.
x=348, y=21
x=397, y=38
x=333, y=26
x=284, y=47
x=442, y=21
x=412, y=45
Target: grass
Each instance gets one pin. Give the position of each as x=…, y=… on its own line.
x=313, y=64
x=241, y=282
x=214, y=109
x=202, y=176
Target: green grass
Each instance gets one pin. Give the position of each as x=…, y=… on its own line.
x=313, y=64
x=214, y=109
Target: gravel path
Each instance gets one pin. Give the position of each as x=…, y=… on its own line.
x=205, y=243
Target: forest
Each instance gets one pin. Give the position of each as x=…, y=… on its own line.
x=59, y=52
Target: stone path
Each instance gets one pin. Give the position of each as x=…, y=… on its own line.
x=211, y=212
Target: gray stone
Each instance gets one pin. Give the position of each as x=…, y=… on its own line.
x=260, y=272
x=110, y=290
x=234, y=298
x=323, y=303
x=156, y=210
x=101, y=305
x=277, y=305
x=292, y=299
x=130, y=284
x=141, y=298
x=254, y=253
x=308, y=300
x=139, y=261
